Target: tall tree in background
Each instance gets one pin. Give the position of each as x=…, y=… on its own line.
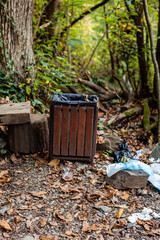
x=16, y=36
x=137, y=16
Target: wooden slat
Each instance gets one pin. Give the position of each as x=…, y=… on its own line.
x=73, y=131
x=81, y=131
x=65, y=131
x=95, y=135
x=89, y=131
x=56, y=130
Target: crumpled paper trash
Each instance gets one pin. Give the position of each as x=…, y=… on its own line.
x=146, y=214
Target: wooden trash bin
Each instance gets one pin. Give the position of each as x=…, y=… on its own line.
x=73, y=127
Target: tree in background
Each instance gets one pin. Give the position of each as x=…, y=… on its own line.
x=16, y=38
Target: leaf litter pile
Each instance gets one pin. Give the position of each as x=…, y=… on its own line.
x=70, y=200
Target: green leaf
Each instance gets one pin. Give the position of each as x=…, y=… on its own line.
x=28, y=90
x=75, y=40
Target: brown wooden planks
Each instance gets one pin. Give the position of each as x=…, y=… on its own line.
x=57, y=130
x=73, y=130
x=89, y=131
x=95, y=135
x=81, y=131
x=65, y=131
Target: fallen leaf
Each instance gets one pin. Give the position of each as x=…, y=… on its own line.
x=6, y=235
x=39, y=194
x=2, y=162
x=83, y=215
x=9, y=200
x=54, y=163
x=5, y=180
x=69, y=233
x=94, y=227
x=124, y=195
x=85, y=227
x=43, y=222
x=53, y=224
x=92, y=181
x=14, y=159
x=119, y=213
x=110, y=233
x=18, y=219
x=2, y=173
x=5, y=225
x=78, y=196
x=54, y=237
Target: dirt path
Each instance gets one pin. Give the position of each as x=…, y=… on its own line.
x=38, y=204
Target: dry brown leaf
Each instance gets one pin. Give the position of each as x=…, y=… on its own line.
x=119, y=213
x=94, y=227
x=14, y=159
x=83, y=215
x=78, y=196
x=5, y=225
x=2, y=173
x=54, y=163
x=5, y=180
x=125, y=195
x=146, y=227
x=69, y=233
x=18, y=219
x=6, y=235
x=54, y=237
x=53, y=224
x=92, y=181
x=110, y=233
x=2, y=162
x=85, y=227
x=43, y=222
x=39, y=194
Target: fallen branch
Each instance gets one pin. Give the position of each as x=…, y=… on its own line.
x=93, y=86
x=125, y=115
x=83, y=15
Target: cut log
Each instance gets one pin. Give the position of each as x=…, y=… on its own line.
x=15, y=113
x=125, y=115
x=125, y=179
x=31, y=137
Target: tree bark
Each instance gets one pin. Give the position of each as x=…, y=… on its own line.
x=157, y=54
x=16, y=48
x=155, y=63
x=140, y=44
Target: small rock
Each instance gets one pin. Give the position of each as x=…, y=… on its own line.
x=155, y=153
x=3, y=210
x=130, y=225
x=128, y=179
x=28, y=237
x=142, y=192
x=102, y=208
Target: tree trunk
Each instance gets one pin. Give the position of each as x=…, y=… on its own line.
x=140, y=44
x=16, y=43
x=157, y=54
x=155, y=63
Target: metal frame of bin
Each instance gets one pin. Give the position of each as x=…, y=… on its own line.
x=78, y=104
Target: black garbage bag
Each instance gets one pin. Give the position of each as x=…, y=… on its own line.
x=124, y=154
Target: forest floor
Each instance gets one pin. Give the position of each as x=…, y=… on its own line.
x=38, y=201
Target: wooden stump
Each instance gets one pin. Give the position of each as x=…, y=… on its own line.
x=31, y=137
x=15, y=113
